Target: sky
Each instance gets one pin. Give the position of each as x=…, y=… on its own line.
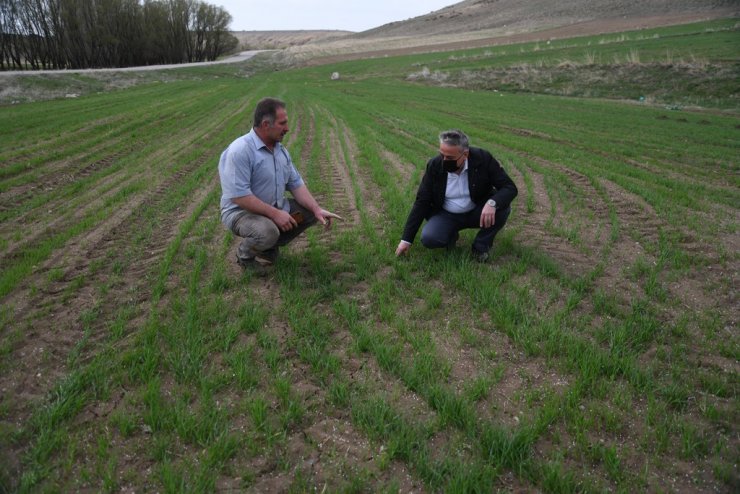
x=345, y=15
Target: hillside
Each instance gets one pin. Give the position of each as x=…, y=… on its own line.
x=488, y=22
x=518, y=16
x=271, y=40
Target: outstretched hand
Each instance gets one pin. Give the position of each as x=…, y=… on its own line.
x=324, y=217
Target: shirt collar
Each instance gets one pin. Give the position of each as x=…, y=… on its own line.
x=259, y=144
x=465, y=168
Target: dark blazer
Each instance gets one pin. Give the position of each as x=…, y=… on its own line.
x=486, y=180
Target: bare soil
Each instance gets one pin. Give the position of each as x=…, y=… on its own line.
x=348, y=49
x=277, y=40
x=48, y=317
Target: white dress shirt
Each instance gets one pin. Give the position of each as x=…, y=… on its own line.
x=457, y=195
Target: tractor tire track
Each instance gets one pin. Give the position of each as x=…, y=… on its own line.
x=538, y=234
x=405, y=170
x=342, y=194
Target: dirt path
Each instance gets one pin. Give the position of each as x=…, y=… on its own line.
x=240, y=57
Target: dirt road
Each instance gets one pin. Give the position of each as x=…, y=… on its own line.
x=240, y=57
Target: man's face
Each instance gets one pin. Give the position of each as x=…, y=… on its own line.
x=277, y=131
x=450, y=152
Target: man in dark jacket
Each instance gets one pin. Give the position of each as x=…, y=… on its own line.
x=463, y=187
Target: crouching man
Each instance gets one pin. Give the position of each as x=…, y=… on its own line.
x=462, y=187
x=255, y=171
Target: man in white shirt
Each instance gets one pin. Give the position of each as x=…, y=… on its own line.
x=463, y=187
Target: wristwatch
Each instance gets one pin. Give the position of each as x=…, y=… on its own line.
x=491, y=203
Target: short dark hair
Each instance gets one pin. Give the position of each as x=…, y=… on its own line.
x=267, y=110
x=454, y=137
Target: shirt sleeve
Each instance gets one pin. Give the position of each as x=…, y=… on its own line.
x=236, y=177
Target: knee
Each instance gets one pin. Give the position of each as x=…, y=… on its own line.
x=502, y=216
x=430, y=240
x=266, y=236
x=425, y=240
x=270, y=237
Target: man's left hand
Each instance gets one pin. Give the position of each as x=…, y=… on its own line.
x=487, y=217
x=324, y=217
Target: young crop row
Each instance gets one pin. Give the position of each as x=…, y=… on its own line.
x=596, y=351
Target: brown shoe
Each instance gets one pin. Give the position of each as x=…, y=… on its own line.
x=266, y=257
x=253, y=266
x=245, y=263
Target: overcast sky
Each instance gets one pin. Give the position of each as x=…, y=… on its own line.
x=345, y=15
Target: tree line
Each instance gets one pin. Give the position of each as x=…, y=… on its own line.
x=79, y=34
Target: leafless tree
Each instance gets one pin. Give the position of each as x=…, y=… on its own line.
x=36, y=34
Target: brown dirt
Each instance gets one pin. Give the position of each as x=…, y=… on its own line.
x=404, y=170
x=272, y=40
x=640, y=227
x=410, y=46
x=48, y=312
x=326, y=448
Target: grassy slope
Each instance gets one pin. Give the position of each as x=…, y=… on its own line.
x=596, y=351
x=693, y=64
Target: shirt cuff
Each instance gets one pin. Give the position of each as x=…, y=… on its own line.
x=405, y=242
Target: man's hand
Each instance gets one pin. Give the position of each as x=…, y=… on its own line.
x=487, y=216
x=324, y=217
x=403, y=248
x=284, y=221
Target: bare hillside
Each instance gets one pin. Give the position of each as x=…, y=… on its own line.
x=518, y=15
x=272, y=40
x=487, y=22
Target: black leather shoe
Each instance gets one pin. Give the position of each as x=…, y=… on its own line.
x=453, y=241
x=478, y=256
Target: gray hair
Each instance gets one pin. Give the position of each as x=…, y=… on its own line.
x=454, y=137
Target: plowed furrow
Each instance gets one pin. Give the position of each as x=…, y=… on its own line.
x=57, y=310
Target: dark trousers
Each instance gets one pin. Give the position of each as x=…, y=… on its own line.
x=441, y=230
x=260, y=234
x=308, y=220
